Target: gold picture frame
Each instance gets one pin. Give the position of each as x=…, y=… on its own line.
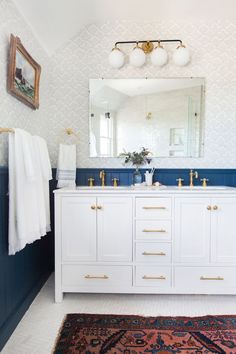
x=23, y=74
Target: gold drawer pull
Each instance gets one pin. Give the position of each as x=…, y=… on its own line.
x=147, y=277
x=215, y=207
x=154, y=207
x=153, y=254
x=99, y=207
x=207, y=278
x=161, y=230
x=93, y=207
x=96, y=277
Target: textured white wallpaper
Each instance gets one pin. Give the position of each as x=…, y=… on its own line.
x=213, y=47
x=13, y=113
x=65, y=78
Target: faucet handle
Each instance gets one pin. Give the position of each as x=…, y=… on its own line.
x=204, y=182
x=115, y=181
x=90, y=181
x=180, y=180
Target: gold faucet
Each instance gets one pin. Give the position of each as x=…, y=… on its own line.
x=192, y=174
x=102, y=177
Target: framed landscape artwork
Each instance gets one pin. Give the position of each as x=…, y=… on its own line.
x=23, y=74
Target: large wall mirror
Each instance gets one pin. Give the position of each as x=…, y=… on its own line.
x=163, y=115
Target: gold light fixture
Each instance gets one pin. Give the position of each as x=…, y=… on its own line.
x=159, y=56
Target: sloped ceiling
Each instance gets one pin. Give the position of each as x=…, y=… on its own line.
x=56, y=21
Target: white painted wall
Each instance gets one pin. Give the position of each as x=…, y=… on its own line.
x=14, y=113
x=56, y=21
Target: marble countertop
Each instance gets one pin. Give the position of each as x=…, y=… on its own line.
x=147, y=190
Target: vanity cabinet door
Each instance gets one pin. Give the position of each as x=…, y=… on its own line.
x=114, y=225
x=192, y=230
x=78, y=228
x=223, y=231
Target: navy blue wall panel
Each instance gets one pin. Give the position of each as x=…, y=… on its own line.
x=165, y=176
x=22, y=275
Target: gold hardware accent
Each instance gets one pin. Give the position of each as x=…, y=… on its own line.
x=99, y=207
x=209, y=278
x=192, y=175
x=147, y=277
x=154, y=207
x=96, y=276
x=70, y=131
x=204, y=182
x=215, y=207
x=115, y=182
x=91, y=180
x=7, y=130
x=180, y=182
x=209, y=207
x=102, y=177
x=153, y=254
x=93, y=207
x=147, y=47
x=161, y=230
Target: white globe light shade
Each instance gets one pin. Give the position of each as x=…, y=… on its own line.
x=116, y=58
x=159, y=56
x=137, y=57
x=181, y=56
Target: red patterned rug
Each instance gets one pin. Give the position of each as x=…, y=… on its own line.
x=115, y=334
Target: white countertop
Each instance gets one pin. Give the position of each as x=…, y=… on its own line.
x=146, y=190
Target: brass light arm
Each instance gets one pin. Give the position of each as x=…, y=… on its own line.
x=147, y=45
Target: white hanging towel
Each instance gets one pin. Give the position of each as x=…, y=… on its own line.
x=45, y=173
x=66, y=169
x=24, y=223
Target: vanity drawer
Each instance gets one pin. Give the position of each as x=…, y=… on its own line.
x=205, y=278
x=153, y=230
x=153, y=252
x=153, y=208
x=96, y=276
x=156, y=276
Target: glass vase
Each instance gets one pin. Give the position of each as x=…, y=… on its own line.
x=137, y=176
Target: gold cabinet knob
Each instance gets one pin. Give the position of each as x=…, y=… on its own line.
x=93, y=207
x=215, y=207
x=99, y=207
x=209, y=207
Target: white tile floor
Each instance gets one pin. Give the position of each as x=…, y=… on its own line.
x=38, y=329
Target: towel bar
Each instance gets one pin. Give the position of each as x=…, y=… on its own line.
x=6, y=130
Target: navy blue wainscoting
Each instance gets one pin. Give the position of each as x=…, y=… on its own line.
x=165, y=176
x=22, y=275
